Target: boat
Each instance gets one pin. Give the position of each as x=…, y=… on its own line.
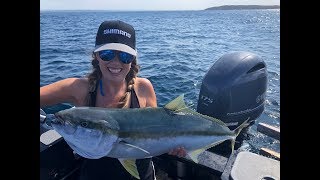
x=237, y=74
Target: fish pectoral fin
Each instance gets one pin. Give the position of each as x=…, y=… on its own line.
x=194, y=154
x=130, y=166
x=133, y=146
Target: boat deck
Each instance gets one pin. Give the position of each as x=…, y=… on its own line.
x=58, y=161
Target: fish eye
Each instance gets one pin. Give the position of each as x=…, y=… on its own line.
x=84, y=124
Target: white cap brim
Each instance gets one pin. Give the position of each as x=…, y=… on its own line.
x=118, y=47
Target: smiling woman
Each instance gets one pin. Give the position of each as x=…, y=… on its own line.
x=114, y=77
x=175, y=63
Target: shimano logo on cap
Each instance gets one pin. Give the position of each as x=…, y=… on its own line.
x=117, y=31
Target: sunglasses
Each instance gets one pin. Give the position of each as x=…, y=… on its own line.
x=108, y=55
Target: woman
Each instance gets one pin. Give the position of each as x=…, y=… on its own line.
x=113, y=83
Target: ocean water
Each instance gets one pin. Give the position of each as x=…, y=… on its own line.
x=175, y=49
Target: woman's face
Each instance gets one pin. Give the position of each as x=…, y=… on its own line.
x=113, y=70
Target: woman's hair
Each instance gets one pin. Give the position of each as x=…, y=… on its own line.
x=95, y=75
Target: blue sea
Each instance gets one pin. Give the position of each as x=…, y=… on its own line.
x=175, y=49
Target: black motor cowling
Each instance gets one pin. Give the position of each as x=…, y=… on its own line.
x=234, y=88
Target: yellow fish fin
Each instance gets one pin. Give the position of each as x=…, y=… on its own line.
x=194, y=154
x=130, y=166
x=177, y=104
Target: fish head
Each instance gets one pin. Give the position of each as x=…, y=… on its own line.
x=86, y=131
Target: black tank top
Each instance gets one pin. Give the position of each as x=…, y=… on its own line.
x=134, y=99
x=111, y=168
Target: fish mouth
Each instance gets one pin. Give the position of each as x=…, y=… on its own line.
x=62, y=126
x=57, y=120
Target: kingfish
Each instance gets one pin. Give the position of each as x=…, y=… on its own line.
x=136, y=133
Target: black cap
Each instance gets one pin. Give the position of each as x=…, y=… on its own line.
x=116, y=35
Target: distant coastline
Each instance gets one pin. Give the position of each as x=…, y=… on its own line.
x=240, y=7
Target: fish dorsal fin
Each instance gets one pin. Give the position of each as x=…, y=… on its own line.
x=178, y=105
x=130, y=166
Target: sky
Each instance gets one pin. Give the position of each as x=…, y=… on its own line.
x=137, y=5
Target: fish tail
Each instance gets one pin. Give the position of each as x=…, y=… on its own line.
x=237, y=132
x=239, y=128
x=233, y=141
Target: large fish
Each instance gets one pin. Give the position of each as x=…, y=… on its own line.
x=129, y=134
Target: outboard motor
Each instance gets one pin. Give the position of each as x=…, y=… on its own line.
x=234, y=89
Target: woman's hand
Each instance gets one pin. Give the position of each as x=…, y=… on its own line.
x=180, y=152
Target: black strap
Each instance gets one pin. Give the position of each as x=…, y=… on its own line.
x=134, y=99
x=93, y=96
